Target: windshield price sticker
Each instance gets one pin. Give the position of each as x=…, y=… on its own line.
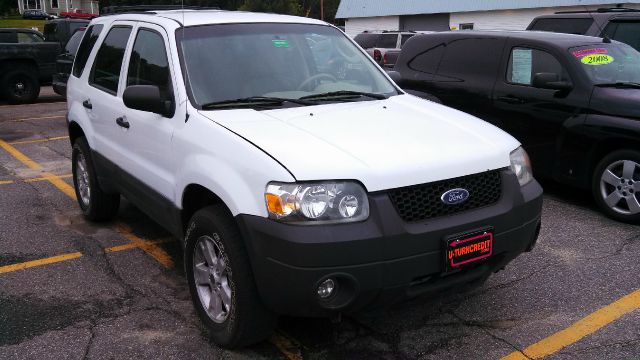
x=585, y=52
x=280, y=43
x=597, y=59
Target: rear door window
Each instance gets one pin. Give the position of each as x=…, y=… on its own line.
x=524, y=63
x=105, y=74
x=86, y=45
x=467, y=58
x=627, y=32
x=563, y=25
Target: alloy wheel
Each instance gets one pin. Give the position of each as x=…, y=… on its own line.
x=82, y=179
x=620, y=187
x=212, y=278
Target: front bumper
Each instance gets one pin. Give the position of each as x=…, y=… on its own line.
x=382, y=260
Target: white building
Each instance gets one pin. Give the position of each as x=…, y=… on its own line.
x=439, y=15
x=58, y=6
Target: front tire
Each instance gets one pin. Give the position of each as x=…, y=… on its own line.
x=96, y=205
x=221, y=280
x=616, y=185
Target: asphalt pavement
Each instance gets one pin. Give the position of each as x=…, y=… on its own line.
x=70, y=289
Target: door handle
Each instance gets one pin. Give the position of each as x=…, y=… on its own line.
x=511, y=99
x=122, y=122
x=87, y=104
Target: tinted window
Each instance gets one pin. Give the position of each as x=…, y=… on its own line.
x=524, y=63
x=427, y=62
x=74, y=42
x=404, y=39
x=86, y=45
x=148, y=64
x=106, y=69
x=366, y=41
x=26, y=38
x=7, y=37
x=626, y=32
x=75, y=26
x=470, y=56
x=567, y=25
x=50, y=31
x=387, y=41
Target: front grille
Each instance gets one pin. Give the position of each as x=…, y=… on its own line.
x=421, y=202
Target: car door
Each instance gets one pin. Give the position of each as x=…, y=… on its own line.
x=100, y=98
x=465, y=75
x=145, y=141
x=536, y=116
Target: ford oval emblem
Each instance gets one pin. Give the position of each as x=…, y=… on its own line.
x=455, y=196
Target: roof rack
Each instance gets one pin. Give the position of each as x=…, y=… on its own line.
x=149, y=9
x=601, y=10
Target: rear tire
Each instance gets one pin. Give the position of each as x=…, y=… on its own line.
x=221, y=280
x=96, y=205
x=20, y=85
x=616, y=185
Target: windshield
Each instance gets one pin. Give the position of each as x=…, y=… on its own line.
x=289, y=61
x=608, y=63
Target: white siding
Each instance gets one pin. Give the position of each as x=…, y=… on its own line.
x=355, y=26
x=511, y=19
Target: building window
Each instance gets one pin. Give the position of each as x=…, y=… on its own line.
x=467, y=26
x=54, y=4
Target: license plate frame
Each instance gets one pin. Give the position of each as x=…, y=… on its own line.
x=473, y=247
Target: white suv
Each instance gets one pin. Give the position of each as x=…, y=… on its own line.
x=300, y=178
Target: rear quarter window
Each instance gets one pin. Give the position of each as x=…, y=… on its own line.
x=469, y=58
x=578, y=26
x=627, y=32
x=8, y=37
x=86, y=45
x=366, y=41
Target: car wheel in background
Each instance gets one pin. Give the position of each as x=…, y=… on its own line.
x=221, y=280
x=616, y=185
x=20, y=85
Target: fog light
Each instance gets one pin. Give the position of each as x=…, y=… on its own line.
x=325, y=289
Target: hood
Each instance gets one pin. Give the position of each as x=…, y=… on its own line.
x=384, y=144
x=616, y=102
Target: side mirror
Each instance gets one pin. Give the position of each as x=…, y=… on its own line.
x=395, y=76
x=550, y=81
x=147, y=98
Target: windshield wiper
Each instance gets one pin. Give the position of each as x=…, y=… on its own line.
x=622, y=85
x=254, y=101
x=343, y=94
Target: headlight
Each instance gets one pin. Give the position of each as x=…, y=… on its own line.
x=317, y=203
x=521, y=166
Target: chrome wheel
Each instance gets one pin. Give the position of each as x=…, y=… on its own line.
x=620, y=187
x=212, y=278
x=82, y=179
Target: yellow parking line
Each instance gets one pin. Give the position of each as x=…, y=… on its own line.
x=37, y=140
x=47, y=178
x=40, y=262
x=148, y=246
x=583, y=327
x=39, y=118
x=131, y=246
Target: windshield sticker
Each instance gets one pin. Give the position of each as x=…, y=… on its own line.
x=280, y=43
x=597, y=59
x=522, y=62
x=585, y=52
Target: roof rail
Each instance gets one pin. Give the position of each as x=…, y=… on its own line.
x=141, y=9
x=600, y=10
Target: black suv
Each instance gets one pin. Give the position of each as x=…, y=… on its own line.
x=573, y=101
x=617, y=24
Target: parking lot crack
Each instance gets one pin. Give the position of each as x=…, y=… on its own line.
x=90, y=342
